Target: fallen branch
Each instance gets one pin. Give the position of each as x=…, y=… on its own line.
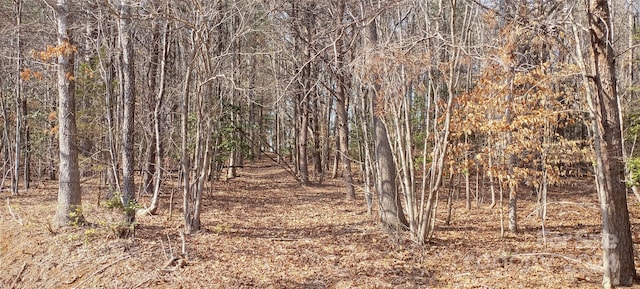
x=51, y=230
x=17, y=279
x=18, y=218
x=184, y=244
x=177, y=260
x=174, y=263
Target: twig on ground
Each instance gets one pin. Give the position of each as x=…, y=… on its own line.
x=90, y=277
x=162, y=247
x=169, y=244
x=73, y=280
x=19, y=276
x=283, y=239
x=51, y=230
x=184, y=244
x=16, y=218
x=178, y=260
x=174, y=264
x=574, y=260
x=584, y=205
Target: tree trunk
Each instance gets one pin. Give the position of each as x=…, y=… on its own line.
x=326, y=146
x=69, y=208
x=150, y=156
x=157, y=128
x=26, y=170
x=15, y=175
x=366, y=113
x=128, y=100
x=342, y=108
x=303, y=165
x=391, y=213
x=301, y=110
x=617, y=245
x=512, y=211
x=184, y=147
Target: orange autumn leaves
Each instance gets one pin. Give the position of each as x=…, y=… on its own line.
x=64, y=49
x=516, y=112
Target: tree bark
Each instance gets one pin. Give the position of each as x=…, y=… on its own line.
x=184, y=147
x=391, y=213
x=69, y=207
x=128, y=100
x=150, y=157
x=15, y=175
x=302, y=95
x=341, y=110
x=617, y=244
x=157, y=128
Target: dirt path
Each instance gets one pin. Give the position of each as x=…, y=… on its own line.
x=263, y=230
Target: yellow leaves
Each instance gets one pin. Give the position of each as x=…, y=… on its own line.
x=26, y=74
x=52, y=116
x=64, y=49
x=53, y=130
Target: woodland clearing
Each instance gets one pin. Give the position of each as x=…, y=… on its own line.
x=264, y=230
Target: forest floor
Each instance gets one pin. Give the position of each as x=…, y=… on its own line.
x=263, y=230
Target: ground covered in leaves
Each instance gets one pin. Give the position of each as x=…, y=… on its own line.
x=263, y=230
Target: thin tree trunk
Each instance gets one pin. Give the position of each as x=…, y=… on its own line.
x=184, y=147
x=317, y=148
x=326, y=147
x=128, y=101
x=302, y=96
x=512, y=210
x=15, y=176
x=303, y=166
x=492, y=184
x=111, y=153
x=26, y=175
x=150, y=155
x=467, y=172
x=157, y=128
x=342, y=108
x=366, y=113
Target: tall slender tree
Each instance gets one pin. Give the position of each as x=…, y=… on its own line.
x=128, y=101
x=618, y=263
x=15, y=175
x=69, y=196
x=342, y=99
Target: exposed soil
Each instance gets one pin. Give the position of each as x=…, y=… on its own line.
x=263, y=230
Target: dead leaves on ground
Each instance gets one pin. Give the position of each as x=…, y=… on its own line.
x=262, y=230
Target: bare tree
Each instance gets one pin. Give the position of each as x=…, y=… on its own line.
x=128, y=100
x=15, y=175
x=342, y=98
x=69, y=196
x=157, y=126
x=618, y=262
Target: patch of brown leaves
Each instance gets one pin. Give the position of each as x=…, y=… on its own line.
x=263, y=230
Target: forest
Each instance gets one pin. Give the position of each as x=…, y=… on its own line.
x=319, y=144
